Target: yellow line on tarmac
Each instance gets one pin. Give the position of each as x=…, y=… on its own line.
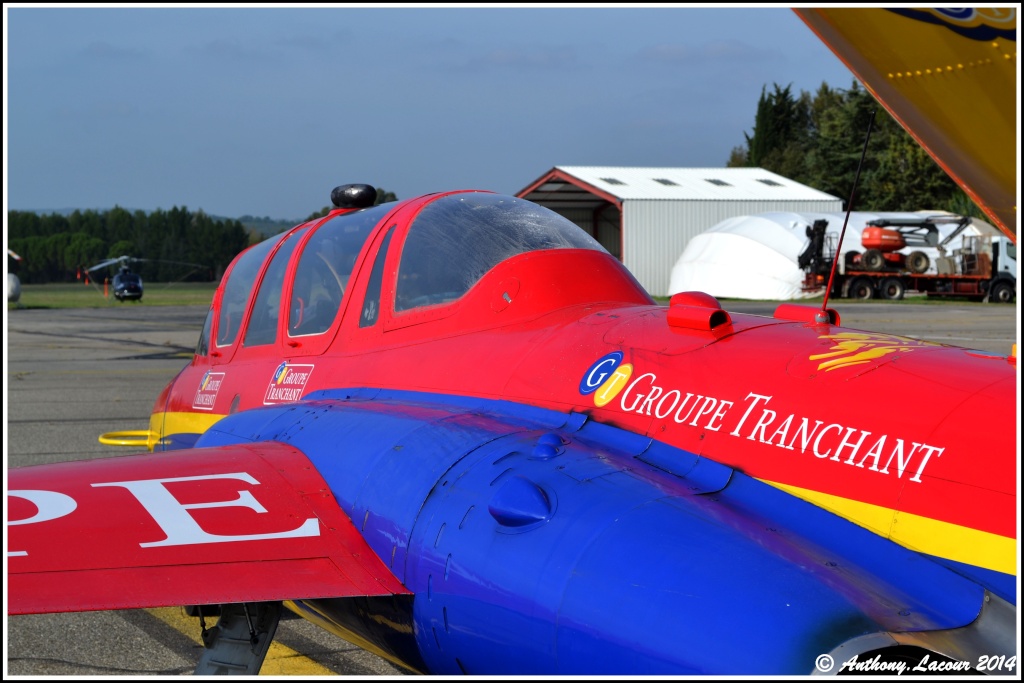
x=280, y=660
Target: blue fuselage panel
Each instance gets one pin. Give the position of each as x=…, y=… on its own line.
x=538, y=542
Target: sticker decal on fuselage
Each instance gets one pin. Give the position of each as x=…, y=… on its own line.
x=749, y=418
x=287, y=383
x=206, y=394
x=857, y=348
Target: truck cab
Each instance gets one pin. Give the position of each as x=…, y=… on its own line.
x=1003, y=253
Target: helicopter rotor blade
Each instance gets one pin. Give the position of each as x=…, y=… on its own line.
x=133, y=259
x=108, y=262
x=178, y=263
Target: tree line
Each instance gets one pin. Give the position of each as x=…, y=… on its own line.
x=163, y=246
x=818, y=140
x=166, y=246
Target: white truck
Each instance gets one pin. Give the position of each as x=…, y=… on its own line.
x=985, y=266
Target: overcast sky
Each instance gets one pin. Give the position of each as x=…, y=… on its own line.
x=261, y=110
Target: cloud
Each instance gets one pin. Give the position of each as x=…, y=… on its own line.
x=103, y=51
x=231, y=51
x=315, y=42
x=96, y=111
x=459, y=56
x=531, y=58
x=678, y=54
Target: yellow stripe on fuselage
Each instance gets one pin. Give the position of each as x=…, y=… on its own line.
x=167, y=424
x=923, y=534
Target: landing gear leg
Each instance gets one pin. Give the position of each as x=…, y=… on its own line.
x=238, y=644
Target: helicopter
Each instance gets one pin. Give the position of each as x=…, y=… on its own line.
x=13, y=283
x=127, y=284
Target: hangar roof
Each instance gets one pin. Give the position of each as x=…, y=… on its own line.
x=575, y=186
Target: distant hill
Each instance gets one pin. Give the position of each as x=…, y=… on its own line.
x=257, y=227
x=266, y=226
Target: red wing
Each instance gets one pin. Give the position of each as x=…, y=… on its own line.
x=245, y=523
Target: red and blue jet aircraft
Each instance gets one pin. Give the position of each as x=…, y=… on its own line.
x=456, y=431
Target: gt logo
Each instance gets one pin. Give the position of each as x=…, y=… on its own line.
x=606, y=377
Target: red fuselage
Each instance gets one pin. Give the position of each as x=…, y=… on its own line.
x=809, y=407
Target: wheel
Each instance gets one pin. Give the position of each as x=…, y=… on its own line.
x=892, y=288
x=1001, y=292
x=872, y=259
x=918, y=262
x=861, y=288
x=852, y=260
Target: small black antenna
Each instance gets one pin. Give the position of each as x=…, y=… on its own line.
x=822, y=316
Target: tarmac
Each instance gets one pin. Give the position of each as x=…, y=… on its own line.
x=73, y=374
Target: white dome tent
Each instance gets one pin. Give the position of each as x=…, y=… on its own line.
x=755, y=256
